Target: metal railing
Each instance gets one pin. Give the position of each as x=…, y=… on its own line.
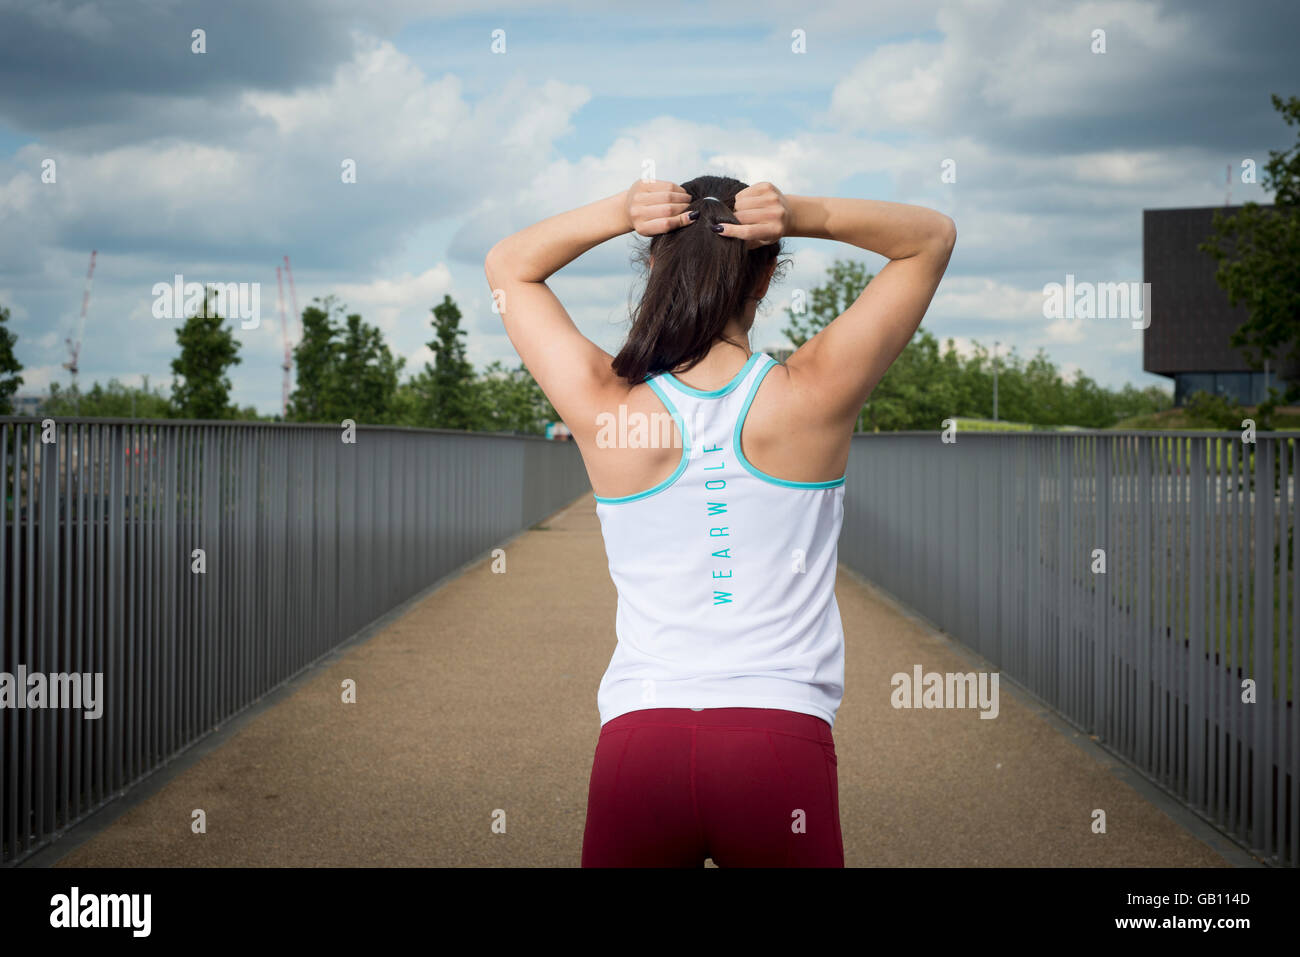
x=1144, y=585
x=199, y=565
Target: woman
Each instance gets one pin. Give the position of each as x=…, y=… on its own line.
x=721, y=517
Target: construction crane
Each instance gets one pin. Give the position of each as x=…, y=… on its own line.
x=287, y=365
x=74, y=344
x=288, y=353
x=293, y=295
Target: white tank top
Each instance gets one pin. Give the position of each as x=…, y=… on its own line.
x=725, y=575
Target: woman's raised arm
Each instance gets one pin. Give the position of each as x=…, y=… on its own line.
x=572, y=370
x=837, y=368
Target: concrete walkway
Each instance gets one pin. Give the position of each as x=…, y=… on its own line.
x=482, y=699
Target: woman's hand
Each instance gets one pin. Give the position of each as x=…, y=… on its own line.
x=656, y=206
x=764, y=216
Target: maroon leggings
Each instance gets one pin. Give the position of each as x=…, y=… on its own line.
x=747, y=787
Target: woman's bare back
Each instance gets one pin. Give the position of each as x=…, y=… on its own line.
x=780, y=437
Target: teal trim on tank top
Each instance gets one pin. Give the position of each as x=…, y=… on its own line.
x=735, y=442
x=716, y=393
x=681, y=466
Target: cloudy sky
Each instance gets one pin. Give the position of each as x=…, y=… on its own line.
x=216, y=165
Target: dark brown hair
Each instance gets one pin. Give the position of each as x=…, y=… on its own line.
x=698, y=282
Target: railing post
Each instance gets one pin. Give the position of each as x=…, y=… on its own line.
x=1197, y=657
x=1259, y=663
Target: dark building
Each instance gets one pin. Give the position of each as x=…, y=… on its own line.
x=1191, y=320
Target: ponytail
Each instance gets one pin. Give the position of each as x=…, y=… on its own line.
x=697, y=281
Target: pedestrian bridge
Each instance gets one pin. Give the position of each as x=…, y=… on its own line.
x=392, y=655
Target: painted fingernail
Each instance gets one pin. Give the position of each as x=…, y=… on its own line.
x=693, y=215
x=716, y=227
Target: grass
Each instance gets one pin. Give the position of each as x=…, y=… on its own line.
x=988, y=425
x=1285, y=418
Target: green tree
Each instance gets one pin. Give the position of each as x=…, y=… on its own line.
x=1087, y=404
x=365, y=375
x=1258, y=256
x=924, y=386
x=113, y=400
x=249, y=413
x=1131, y=401
x=510, y=400
x=1210, y=411
x=845, y=281
x=446, y=393
x=315, y=360
x=10, y=380
x=201, y=389
x=914, y=392
x=1046, y=389
x=344, y=370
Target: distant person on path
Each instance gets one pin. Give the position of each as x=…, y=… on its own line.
x=719, y=483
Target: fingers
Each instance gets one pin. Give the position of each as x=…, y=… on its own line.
x=757, y=196
x=762, y=215
x=653, y=220
x=648, y=211
x=768, y=212
x=665, y=198
x=660, y=191
x=659, y=206
x=755, y=215
x=755, y=233
x=663, y=224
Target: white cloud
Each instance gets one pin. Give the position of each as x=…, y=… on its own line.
x=16, y=311
x=900, y=84
x=422, y=150
x=1052, y=177
x=965, y=346
x=37, y=379
x=1066, y=332
x=392, y=304
x=1011, y=61
x=972, y=297
x=227, y=210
